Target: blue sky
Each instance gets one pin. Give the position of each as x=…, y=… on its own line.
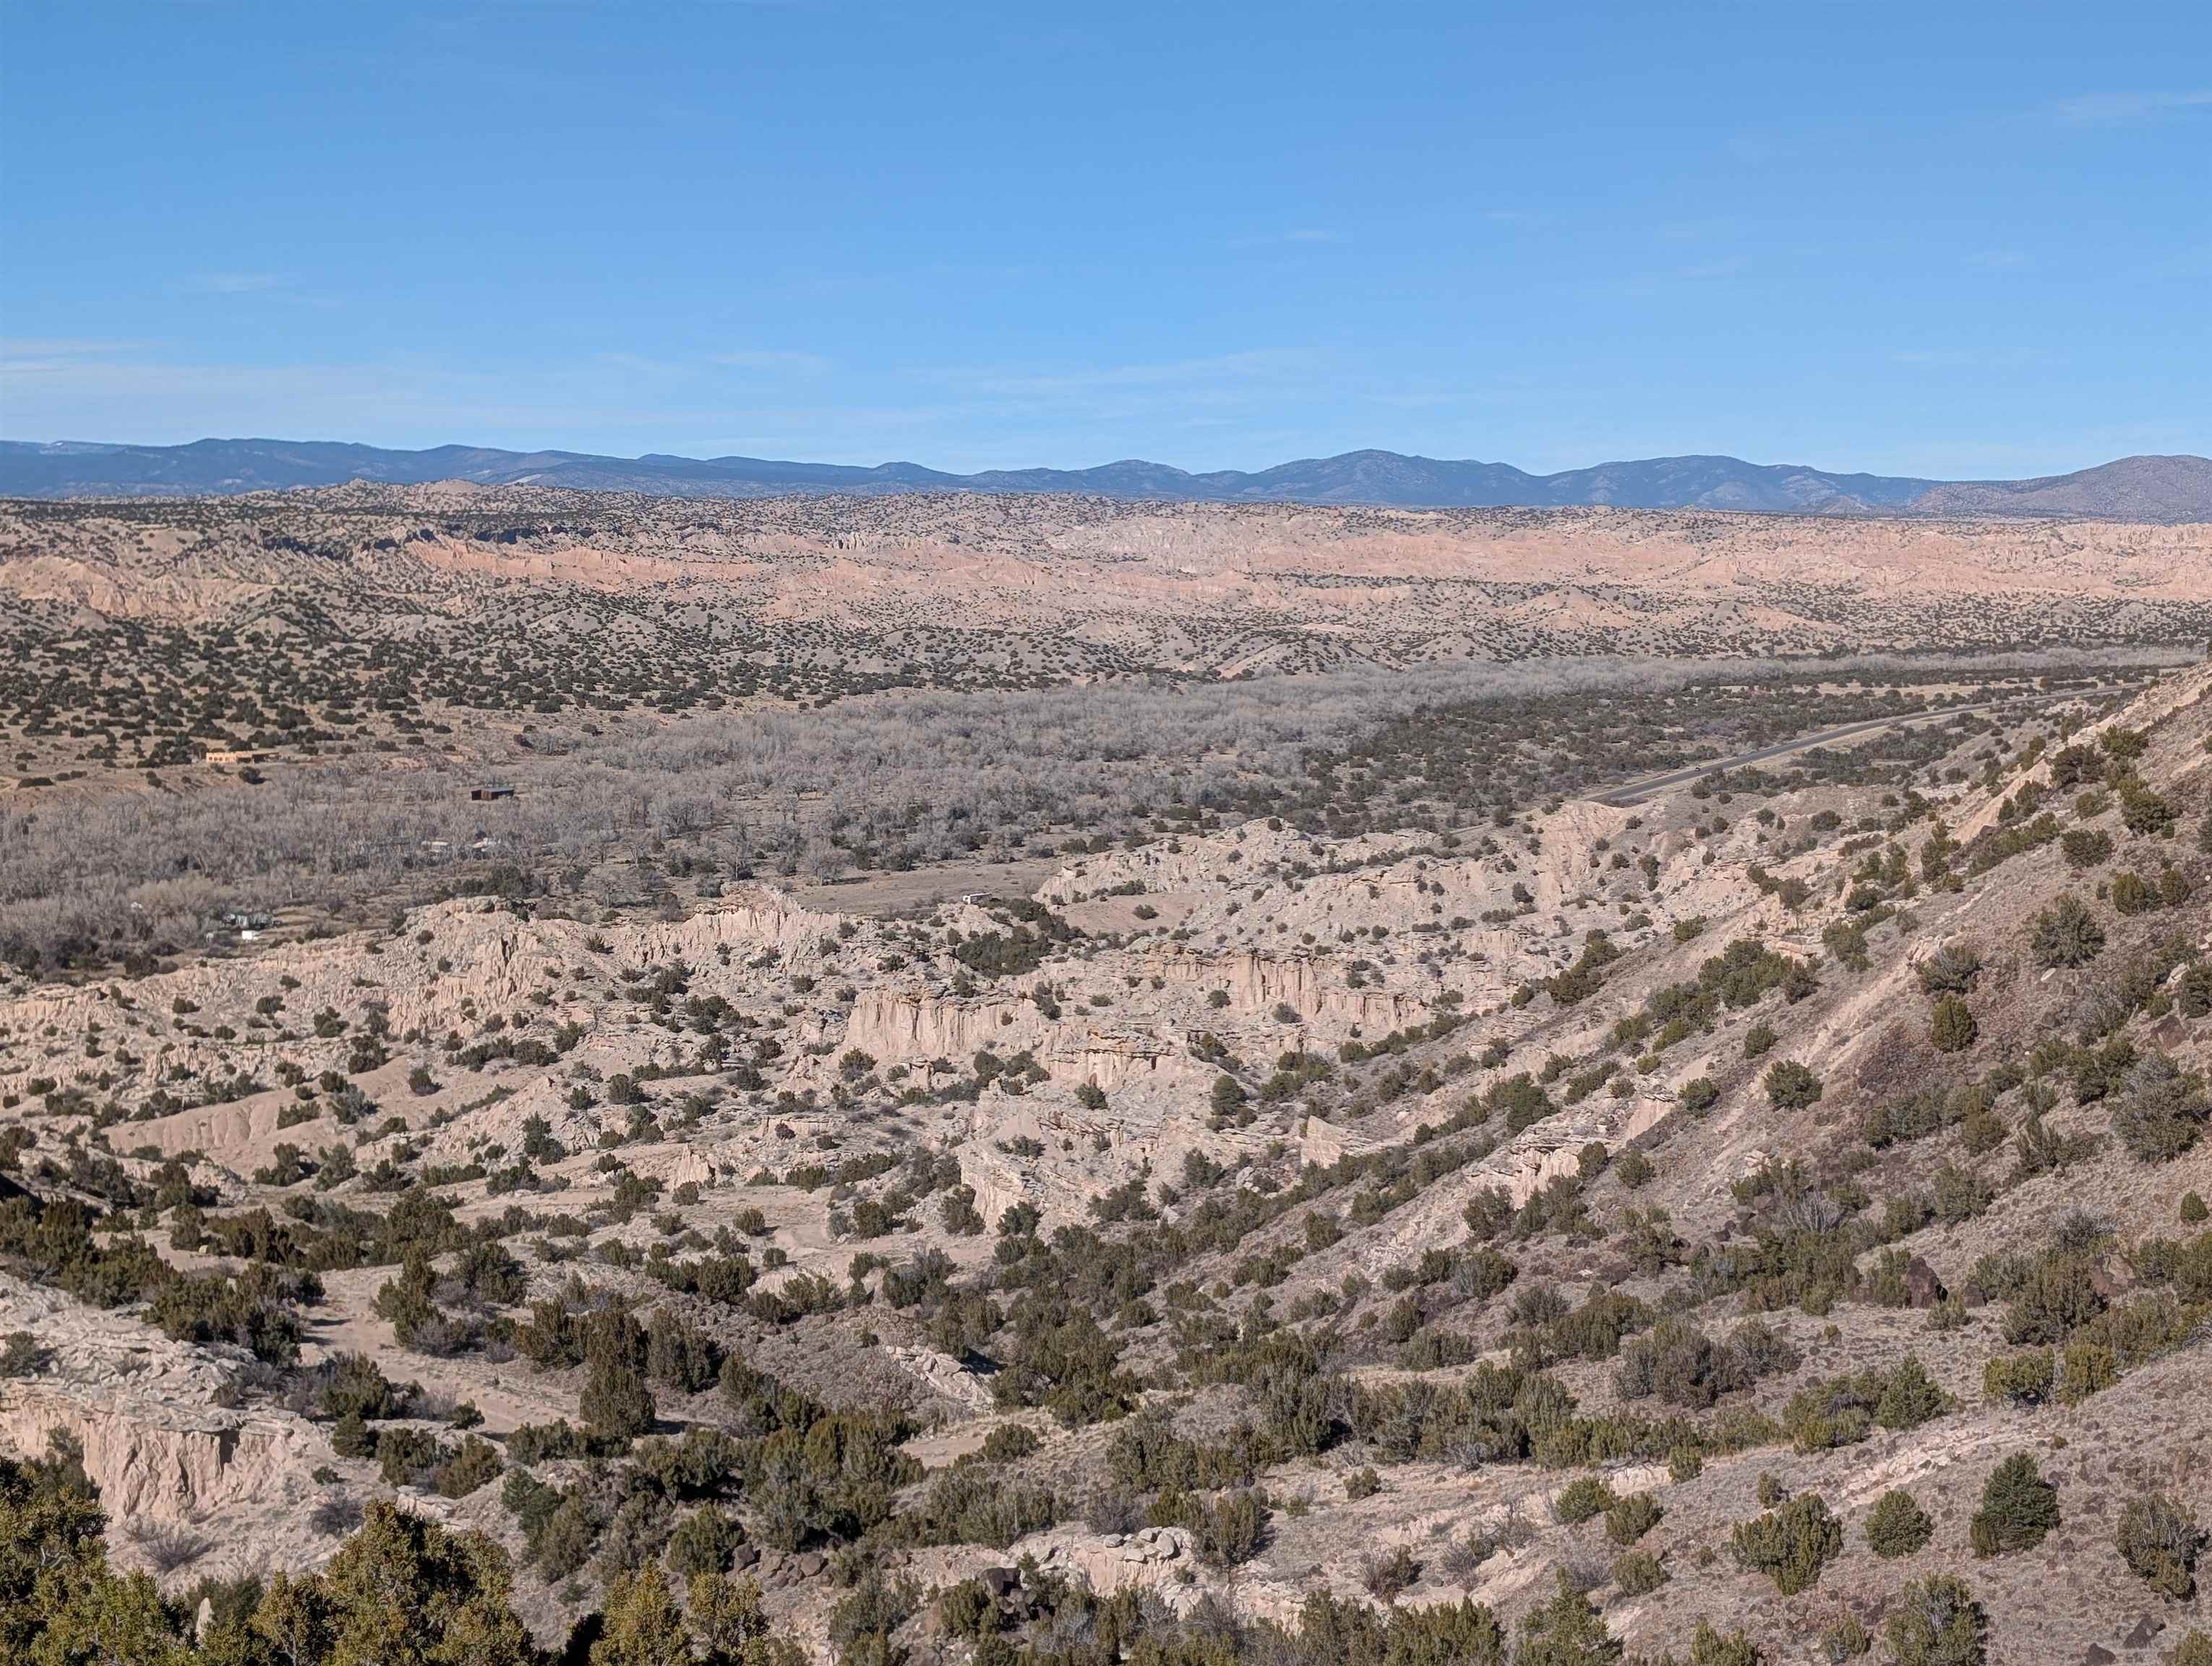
x=1948, y=239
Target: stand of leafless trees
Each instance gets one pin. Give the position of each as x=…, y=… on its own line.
x=896, y=780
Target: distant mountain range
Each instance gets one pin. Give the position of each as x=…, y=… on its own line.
x=2169, y=488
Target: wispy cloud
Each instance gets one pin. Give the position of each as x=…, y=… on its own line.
x=772, y=361
x=16, y=349
x=1707, y=229
x=130, y=396
x=637, y=363
x=1203, y=411
x=1297, y=236
x=235, y=283
x=1224, y=370
x=2131, y=109
x=1993, y=357
x=676, y=370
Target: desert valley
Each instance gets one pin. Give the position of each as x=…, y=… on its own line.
x=1041, y=1079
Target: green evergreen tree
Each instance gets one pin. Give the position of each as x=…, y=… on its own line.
x=1898, y=1525
x=1566, y=1631
x=2019, y=1508
x=1936, y=1622
x=641, y=1624
x=1954, y=1028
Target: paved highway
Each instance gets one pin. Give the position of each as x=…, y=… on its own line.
x=1636, y=791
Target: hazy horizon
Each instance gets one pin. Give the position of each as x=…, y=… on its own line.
x=1217, y=237
x=1078, y=466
